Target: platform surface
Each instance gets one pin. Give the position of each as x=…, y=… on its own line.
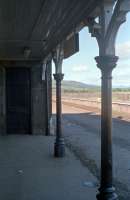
x=28, y=171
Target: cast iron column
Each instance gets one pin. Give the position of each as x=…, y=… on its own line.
x=105, y=28
x=106, y=190
x=47, y=103
x=59, y=148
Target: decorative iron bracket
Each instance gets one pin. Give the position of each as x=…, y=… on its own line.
x=58, y=56
x=45, y=61
x=105, y=27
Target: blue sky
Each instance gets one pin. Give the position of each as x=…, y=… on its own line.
x=82, y=66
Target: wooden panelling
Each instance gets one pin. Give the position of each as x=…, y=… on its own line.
x=38, y=25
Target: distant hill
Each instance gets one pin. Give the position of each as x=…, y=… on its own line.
x=75, y=85
x=79, y=86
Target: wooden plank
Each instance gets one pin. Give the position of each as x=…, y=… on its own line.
x=71, y=46
x=74, y=18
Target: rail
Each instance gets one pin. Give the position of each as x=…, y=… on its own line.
x=116, y=106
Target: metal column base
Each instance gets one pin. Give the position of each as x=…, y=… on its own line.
x=59, y=148
x=107, y=194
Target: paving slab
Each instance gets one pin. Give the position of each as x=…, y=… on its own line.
x=28, y=171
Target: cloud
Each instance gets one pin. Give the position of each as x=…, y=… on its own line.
x=121, y=74
x=87, y=73
x=123, y=50
x=80, y=68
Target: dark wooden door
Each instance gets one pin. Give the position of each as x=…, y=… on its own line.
x=18, y=100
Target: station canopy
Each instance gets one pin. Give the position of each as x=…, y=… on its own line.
x=30, y=29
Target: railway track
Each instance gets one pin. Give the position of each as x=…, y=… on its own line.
x=73, y=104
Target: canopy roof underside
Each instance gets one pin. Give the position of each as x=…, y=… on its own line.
x=36, y=27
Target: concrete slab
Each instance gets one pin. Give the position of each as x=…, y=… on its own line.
x=28, y=171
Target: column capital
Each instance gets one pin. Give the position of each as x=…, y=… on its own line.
x=106, y=63
x=58, y=76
